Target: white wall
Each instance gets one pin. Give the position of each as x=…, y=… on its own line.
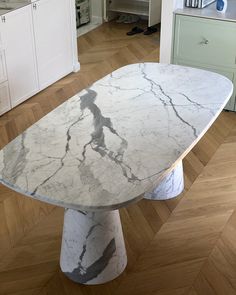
x=168, y=6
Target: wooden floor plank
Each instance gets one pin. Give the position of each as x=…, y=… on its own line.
x=198, y=240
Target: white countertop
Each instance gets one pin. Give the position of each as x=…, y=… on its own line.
x=211, y=12
x=12, y=5
x=106, y=146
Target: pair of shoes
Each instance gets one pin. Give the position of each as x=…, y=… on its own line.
x=127, y=18
x=135, y=30
x=150, y=30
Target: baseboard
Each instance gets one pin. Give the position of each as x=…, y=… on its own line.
x=96, y=19
x=76, y=67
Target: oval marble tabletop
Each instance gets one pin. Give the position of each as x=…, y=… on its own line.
x=110, y=143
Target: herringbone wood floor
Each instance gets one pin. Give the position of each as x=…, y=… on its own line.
x=186, y=246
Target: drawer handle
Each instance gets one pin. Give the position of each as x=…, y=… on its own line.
x=204, y=41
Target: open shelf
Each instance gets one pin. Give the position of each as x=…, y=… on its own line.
x=134, y=7
x=150, y=9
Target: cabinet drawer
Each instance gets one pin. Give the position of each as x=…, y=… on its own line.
x=205, y=41
x=4, y=98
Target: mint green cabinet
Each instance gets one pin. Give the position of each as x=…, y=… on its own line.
x=206, y=44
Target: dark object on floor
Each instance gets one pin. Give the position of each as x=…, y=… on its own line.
x=150, y=30
x=135, y=30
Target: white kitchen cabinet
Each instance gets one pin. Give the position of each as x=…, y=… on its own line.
x=148, y=8
x=3, y=73
x=5, y=104
x=38, y=46
x=53, y=40
x=18, y=42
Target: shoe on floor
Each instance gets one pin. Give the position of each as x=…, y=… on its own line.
x=150, y=30
x=135, y=30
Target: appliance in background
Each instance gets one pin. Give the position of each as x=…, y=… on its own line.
x=82, y=12
x=198, y=3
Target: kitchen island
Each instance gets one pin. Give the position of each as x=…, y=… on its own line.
x=110, y=145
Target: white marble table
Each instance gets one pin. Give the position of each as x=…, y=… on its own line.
x=105, y=148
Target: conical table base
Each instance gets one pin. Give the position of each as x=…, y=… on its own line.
x=93, y=248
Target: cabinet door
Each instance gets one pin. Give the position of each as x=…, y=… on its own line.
x=18, y=41
x=205, y=41
x=231, y=105
x=53, y=39
x=3, y=73
x=4, y=98
x=154, y=12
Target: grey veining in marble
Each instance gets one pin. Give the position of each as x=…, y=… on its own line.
x=170, y=187
x=211, y=12
x=116, y=140
x=93, y=248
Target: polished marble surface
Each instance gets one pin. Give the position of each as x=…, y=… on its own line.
x=110, y=143
x=93, y=248
x=171, y=186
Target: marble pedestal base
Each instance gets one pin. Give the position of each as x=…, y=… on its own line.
x=170, y=187
x=93, y=249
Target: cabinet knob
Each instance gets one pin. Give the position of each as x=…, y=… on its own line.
x=35, y=6
x=204, y=41
x=3, y=19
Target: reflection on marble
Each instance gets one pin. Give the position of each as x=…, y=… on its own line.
x=108, y=145
x=93, y=249
x=171, y=185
